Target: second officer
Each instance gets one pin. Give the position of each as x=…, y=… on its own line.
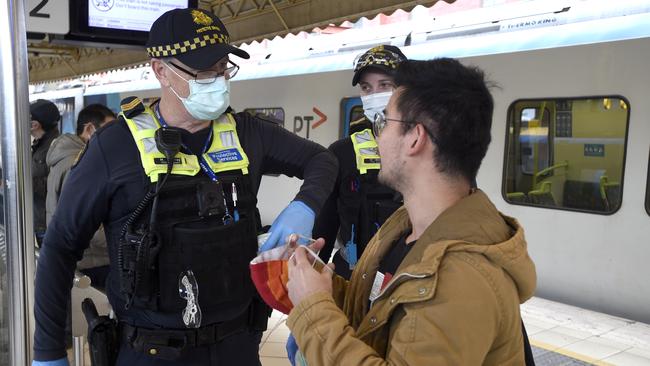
x=359, y=204
x=175, y=186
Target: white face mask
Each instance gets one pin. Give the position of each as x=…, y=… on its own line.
x=375, y=103
x=206, y=101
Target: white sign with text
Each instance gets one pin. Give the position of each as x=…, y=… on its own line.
x=47, y=16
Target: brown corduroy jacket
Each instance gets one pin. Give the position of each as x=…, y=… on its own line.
x=453, y=301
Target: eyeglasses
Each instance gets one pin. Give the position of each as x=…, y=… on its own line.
x=209, y=76
x=380, y=120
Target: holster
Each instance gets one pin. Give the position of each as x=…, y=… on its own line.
x=102, y=336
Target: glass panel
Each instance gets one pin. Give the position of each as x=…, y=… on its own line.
x=4, y=300
x=68, y=123
x=566, y=153
x=647, y=190
x=533, y=140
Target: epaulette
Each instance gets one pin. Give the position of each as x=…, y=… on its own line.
x=79, y=156
x=131, y=106
x=359, y=125
x=359, y=121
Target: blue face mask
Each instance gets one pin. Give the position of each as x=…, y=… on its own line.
x=206, y=101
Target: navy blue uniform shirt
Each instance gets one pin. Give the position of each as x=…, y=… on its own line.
x=107, y=184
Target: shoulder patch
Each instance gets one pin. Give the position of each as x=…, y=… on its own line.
x=131, y=106
x=80, y=155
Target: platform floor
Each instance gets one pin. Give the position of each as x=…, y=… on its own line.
x=561, y=335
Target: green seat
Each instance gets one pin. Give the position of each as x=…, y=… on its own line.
x=542, y=196
x=517, y=197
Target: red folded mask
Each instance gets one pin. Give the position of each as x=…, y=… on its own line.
x=270, y=274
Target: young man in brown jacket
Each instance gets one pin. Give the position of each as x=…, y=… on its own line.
x=442, y=280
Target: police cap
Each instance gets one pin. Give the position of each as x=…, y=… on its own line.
x=384, y=57
x=195, y=37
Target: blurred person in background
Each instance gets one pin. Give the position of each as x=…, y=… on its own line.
x=44, y=129
x=60, y=158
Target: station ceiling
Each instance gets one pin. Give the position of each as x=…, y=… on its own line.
x=246, y=20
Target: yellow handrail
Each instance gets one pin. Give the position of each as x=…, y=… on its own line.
x=563, y=164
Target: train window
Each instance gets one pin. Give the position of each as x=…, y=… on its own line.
x=534, y=139
x=351, y=111
x=647, y=189
x=566, y=153
x=275, y=115
x=68, y=119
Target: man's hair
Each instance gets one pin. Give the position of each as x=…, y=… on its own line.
x=454, y=104
x=95, y=114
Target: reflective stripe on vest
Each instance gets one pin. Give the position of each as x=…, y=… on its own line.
x=225, y=152
x=365, y=150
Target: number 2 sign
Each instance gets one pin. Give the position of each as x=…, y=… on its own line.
x=47, y=16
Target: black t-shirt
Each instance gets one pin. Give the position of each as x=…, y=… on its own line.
x=394, y=257
x=195, y=142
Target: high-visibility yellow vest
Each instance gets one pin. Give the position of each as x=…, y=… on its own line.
x=225, y=152
x=365, y=150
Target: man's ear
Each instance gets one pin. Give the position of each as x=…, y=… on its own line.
x=89, y=129
x=418, y=139
x=160, y=70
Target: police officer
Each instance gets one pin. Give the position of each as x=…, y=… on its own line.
x=175, y=186
x=359, y=204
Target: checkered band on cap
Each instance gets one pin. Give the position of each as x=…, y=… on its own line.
x=384, y=58
x=376, y=61
x=186, y=46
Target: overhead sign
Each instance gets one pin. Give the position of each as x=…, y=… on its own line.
x=129, y=14
x=47, y=16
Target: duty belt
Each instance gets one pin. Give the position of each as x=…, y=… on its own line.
x=169, y=344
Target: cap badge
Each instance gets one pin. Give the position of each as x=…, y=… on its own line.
x=201, y=18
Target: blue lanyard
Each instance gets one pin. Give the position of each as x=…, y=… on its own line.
x=202, y=163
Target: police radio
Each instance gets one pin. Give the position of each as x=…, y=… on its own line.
x=168, y=142
x=138, y=246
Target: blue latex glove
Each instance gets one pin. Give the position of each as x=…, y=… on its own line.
x=297, y=218
x=59, y=362
x=292, y=348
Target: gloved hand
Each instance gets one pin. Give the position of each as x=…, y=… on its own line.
x=292, y=348
x=59, y=362
x=297, y=218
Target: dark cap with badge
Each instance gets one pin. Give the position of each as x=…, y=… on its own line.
x=45, y=112
x=384, y=58
x=195, y=37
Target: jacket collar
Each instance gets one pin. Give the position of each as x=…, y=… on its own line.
x=472, y=222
